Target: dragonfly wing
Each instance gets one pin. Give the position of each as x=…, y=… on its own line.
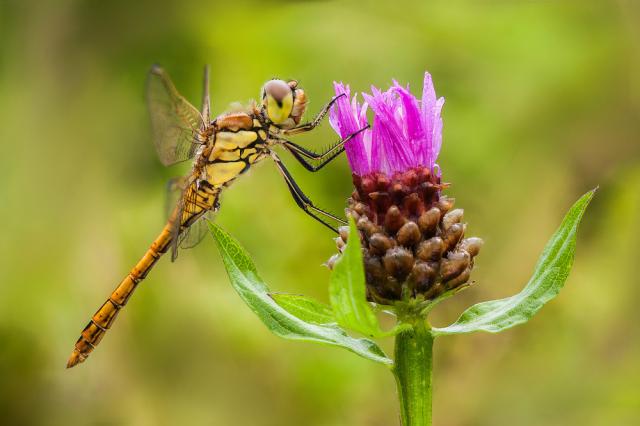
x=174, y=121
x=180, y=201
x=186, y=210
x=196, y=232
x=174, y=191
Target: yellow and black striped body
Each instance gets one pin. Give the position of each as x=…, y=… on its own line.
x=238, y=141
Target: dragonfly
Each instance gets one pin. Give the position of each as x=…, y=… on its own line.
x=220, y=150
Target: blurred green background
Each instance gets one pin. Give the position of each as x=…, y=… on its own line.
x=542, y=104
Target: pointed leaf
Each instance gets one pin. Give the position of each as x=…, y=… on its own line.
x=347, y=290
x=255, y=293
x=307, y=309
x=548, y=278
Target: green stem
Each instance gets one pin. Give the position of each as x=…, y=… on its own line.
x=412, y=369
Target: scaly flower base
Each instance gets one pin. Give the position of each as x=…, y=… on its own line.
x=413, y=242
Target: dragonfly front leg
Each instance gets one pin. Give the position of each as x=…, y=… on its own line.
x=301, y=199
x=299, y=152
x=313, y=123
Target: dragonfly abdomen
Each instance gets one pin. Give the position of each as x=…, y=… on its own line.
x=106, y=315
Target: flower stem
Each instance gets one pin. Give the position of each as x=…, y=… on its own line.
x=412, y=369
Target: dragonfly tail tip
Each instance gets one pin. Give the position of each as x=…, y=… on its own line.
x=75, y=359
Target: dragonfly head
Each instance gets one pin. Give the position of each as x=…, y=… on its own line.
x=283, y=103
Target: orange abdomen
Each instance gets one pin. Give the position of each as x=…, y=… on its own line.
x=104, y=317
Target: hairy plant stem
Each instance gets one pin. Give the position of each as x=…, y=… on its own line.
x=413, y=373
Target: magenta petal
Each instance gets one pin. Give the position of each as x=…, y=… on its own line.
x=339, y=114
x=437, y=131
x=406, y=132
x=412, y=123
x=411, y=112
x=428, y=104
x=397, y=151
x=345, y=122
x=428, y=93
x=378, y=163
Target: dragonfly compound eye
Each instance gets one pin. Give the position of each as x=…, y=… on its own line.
x=277, y=101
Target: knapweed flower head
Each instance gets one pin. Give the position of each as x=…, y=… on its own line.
x=413, y=239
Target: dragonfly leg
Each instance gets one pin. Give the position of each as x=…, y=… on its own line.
x=313, y=123
x=302, y=200
x=301, y=154
x=206, y=101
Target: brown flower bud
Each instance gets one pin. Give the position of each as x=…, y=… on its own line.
x=453, y=265
x=366, y=226
x=380, y=243
x=454, y=216
x=452, y=235
x=428, y=221
x=353, y=214
x=344, y=233
x=412, y=203
x=398, y=191
x=374, y=270
x=472, y=245
x=445, y=203
x=459, y=280
x=391, y=290
x=393, y=220
x=409, y=234
x=398, y=262
x=422, y=276
x=431, y=250
x=360, y=208
x=381, y=200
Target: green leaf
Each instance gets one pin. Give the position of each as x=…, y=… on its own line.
x=548, y=278
x=347, y=290
x=255, y=293
x=306, y=309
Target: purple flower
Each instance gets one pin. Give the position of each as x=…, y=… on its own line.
x=412, y=239
x=406, y=132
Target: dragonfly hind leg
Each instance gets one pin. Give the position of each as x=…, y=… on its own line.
x=302, y=200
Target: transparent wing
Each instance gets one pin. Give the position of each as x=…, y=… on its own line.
x=174, y=121
x=174, y=190
x=196, y=232
x=180, y=194
x=181, y=204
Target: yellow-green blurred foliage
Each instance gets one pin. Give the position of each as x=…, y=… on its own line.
x=542, y=103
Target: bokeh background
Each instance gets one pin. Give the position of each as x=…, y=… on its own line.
x=542, y=104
